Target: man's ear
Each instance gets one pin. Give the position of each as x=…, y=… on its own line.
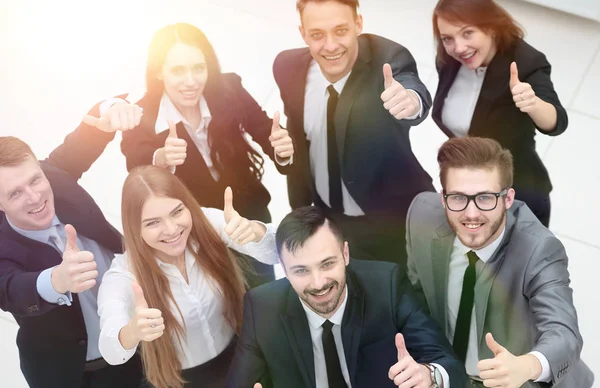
x=346, y=253
x=509, y=200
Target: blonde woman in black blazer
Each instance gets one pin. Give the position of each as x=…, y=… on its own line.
x=493, y=84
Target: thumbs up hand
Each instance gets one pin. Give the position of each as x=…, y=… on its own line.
x=147, y=324
x=400, y=102
x=174, y=151
x=522, y=92
x=121, y=116
x=506, y=370
x=258, y=385
x=280, y=139
x=239, y=229
x=407, y=372
x=77, y=272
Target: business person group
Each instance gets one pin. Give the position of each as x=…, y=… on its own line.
x=388, y=283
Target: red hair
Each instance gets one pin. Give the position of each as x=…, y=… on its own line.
x=483, y=14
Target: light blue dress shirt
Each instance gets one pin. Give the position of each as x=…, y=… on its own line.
x=87, y=299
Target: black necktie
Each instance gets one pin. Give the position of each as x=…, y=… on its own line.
x=333, y=164
x=332, y=361
x=463, y=320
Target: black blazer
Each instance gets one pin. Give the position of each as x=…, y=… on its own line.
x=497, y=117
x=52, y=339
x=377, y=164
x=249, y=195
x=275, y=346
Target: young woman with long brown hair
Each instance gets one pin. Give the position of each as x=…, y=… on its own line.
x=494, y=84
x=177, y=278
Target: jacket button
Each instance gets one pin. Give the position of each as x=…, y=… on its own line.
x=82, y=342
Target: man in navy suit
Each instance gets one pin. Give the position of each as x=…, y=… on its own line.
x=55, y=246
x=335, y=322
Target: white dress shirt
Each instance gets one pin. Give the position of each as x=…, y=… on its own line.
x=315, y=324
x=458, y=264
x=208, y=332
x=459, y=104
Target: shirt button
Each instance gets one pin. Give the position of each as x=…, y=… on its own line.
x=61, y=301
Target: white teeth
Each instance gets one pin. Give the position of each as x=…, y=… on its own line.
x=468, y=55
x=39, y=209
x=172, y=240
x=323, y=293
x=473, y=226
x=334, y=57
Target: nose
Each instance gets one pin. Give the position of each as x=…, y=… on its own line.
x=331, y=44
x=32, y=195
x=472, y=211
x=189, y=79
x=170, y=227
x=460, y=47
x=318, y=280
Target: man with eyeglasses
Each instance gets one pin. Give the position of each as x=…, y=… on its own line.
x=492, y=276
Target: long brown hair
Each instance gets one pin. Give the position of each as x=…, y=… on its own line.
x=232, y=154
x=483, y=14
x=161, y=364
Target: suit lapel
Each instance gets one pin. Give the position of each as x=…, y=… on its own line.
x=350, y=93
x=486, y=278
x=495, y=84
x=441, y=250
x=297, y=331
x=447, y=77
x=352, y=324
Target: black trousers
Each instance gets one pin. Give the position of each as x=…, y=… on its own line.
x=118, y=376
x=538, y=202
x=211, y=374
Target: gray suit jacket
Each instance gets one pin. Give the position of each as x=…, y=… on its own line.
x=522, y=294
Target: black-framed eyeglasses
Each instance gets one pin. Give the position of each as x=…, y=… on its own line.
x=484, y=201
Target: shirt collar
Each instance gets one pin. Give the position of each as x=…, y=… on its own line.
x=38, y=235
x=167, y=111
x=316, y=321
x=483, y=254
x=338, y=86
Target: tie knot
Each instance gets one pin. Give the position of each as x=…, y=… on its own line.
x=327, y=325
x=472, y=258
x=332, y=91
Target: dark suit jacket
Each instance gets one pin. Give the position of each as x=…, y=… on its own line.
x=275, y=346
x=249, y=195
x=377, y=164
x=522, y=294
x=52, y=339
x=497, y=117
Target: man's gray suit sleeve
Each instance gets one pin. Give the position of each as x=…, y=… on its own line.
x=412, y=273
x=551, y=305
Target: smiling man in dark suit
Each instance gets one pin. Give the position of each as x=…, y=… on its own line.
x=350, y=100
x=55, y=245
x=335, y=322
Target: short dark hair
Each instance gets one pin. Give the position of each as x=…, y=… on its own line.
x=475, y=152
x=301, y=224
x=301, y=4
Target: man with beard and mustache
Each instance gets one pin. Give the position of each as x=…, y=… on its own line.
x=335, y=322
x=493, y=277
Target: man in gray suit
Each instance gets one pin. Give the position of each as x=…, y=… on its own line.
x=492, y=276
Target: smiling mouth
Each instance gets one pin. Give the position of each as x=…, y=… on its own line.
x=172, y=240
x=472, y=226
x=333, y=57
x=322, y=294
x=468, y=55
x=38, y=209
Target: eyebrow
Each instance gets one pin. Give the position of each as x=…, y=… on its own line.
x=461, y=30
x=319, y=29
x=478, y=193
x=171, y=213
x=293, y=267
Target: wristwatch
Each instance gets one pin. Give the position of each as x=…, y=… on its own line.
x=436, y=377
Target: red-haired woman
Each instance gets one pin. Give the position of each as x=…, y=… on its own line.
x=493, y=84
x=176, y=252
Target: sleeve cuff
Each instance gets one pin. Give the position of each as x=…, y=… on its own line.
x=171, y=169
x=420, y=112
x=110, y=347
x=286, y=162
x=106, y=104
x=47, y=291
x=445, y=376
x=546, y=375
